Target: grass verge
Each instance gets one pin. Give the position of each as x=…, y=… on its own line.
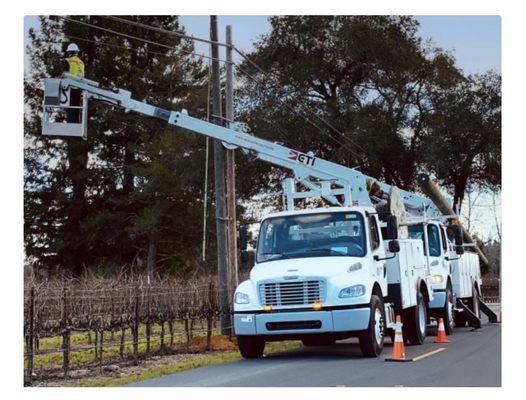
x=146, y=371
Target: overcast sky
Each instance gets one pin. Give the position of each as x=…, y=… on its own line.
x=475, y=42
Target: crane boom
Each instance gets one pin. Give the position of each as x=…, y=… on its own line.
x=339, y=185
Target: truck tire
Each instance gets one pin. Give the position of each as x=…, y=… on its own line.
x=251, y=346
x=415, y=321
x=448, y=312
x=372, y=340
x=317, y=341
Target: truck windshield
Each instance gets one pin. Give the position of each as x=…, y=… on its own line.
x=417, y=232
x=312, y=235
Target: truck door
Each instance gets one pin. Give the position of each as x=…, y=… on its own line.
x=445, y=251
x=379, y=267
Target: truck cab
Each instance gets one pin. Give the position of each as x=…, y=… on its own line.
x=455, y=275
x=321, y=275
x=440, y=255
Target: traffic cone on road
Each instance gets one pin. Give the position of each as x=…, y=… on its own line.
x=398, y=353
x=441, y=336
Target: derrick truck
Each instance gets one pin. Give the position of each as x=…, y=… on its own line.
x=321, y=274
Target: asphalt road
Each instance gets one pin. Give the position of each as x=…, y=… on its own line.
x=472, y=358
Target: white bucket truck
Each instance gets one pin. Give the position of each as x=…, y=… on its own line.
x=327, y=274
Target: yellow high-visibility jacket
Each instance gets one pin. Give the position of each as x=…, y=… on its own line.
x=76, y=66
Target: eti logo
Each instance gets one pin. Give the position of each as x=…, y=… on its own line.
x=302, y=158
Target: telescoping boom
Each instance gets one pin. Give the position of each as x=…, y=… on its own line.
x=337, y=184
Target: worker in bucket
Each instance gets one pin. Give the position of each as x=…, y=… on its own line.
x=74, y=66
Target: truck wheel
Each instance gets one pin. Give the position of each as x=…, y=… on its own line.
x=372, y=340
x=448, y=312
x=251, y=346
x=416, y=321
x=314, y=341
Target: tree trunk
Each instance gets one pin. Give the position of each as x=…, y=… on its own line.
x=152, y=250
x=77, y=155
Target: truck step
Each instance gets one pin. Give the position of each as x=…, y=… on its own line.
x=473, y=320
x=492, y=316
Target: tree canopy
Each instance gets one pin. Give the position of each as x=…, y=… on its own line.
x=363, y=91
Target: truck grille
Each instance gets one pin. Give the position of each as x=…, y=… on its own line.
x=292, y=293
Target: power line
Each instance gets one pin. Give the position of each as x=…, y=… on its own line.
x=269, y=76
x=178, y=34
x=237, y=66
x=165, y=31
x=280, y=100
x=113, y=45
x=136, y=38
x=208, y=57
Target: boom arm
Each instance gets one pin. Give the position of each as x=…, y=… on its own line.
x=322, y=178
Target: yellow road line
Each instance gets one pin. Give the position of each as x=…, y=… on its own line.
x=420, y=357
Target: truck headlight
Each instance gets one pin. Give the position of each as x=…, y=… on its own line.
x=241, y=298
x=437, y=279
x=352, y=291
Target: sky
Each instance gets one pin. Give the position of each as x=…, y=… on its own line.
x=475, y=42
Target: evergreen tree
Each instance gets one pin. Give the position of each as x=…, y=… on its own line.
x=100, y=202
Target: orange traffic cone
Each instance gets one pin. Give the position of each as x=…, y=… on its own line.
x=398, y=353
x=441, y=337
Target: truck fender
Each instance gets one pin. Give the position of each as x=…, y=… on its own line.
x=421, y=283
x=376, y=288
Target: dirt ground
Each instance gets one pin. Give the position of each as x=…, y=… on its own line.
x=96, y=375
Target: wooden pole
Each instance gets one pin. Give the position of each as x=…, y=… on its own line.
x=231, y=172
x=219, y=178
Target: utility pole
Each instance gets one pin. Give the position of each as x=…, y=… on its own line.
x=219, y=178
x=231, y=169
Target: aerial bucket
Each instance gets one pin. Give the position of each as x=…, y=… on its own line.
x=61, y=117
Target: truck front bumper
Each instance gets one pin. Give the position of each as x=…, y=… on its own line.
x=300, y=322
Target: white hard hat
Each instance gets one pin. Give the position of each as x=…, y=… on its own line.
x=72, y=47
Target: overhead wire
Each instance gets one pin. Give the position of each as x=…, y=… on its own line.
x=161, y=30
x=137, y=38
x=268, y=75
x=165, y=31
x=323, y=120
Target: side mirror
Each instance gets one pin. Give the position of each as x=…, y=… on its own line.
x=394, y=246
x=243, y=238
x=392, y=227
x=459, y=250
x=459, y=236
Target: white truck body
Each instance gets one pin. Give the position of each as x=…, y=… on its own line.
x=291, y=297
x=407, y=269
x=460, y=272
x=465, y=273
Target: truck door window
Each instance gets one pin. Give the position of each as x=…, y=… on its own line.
x=444, y=239
x=373, y=229
x=416, y=232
